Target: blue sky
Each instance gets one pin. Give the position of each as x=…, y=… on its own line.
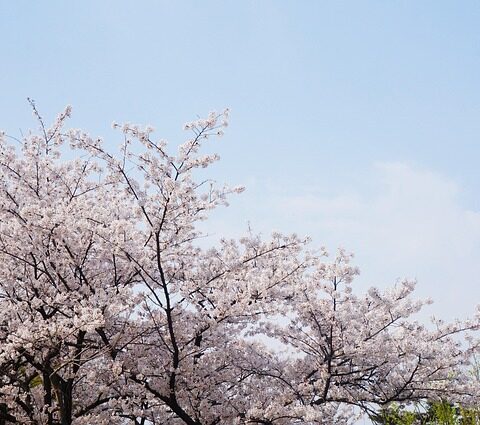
x=355, y=122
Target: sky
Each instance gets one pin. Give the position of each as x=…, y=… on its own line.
x=356, y=123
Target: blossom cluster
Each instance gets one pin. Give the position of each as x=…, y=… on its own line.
x=112, y=313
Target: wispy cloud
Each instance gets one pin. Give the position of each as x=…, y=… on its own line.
x=411, y=223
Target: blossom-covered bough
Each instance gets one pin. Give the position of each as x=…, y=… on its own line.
x=112, y=313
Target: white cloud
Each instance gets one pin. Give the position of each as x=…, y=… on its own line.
x=412, y=225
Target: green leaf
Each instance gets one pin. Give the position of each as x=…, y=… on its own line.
x=35, y=382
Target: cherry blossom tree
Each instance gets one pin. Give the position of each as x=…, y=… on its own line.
x=112, y=313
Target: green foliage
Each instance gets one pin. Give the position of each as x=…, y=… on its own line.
x=436, y=413
x=35, y=381
x=394, y=415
